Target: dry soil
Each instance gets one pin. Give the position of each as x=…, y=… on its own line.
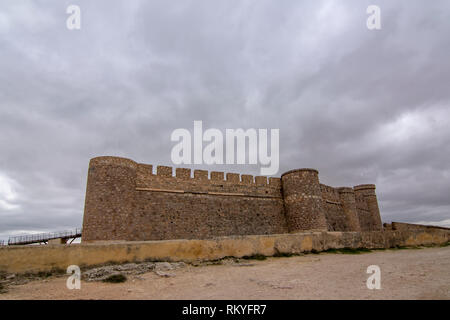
x=405, y=274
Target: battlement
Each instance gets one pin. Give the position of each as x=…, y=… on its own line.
x=126, y=200
x=146, y=171
x=201, y=181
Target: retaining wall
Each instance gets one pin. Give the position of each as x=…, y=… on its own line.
x=20, y=259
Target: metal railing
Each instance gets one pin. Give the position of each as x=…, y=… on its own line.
x=44, y=237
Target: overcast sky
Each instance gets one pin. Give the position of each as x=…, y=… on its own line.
x=361, y=106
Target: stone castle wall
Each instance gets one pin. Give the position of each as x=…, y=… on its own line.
x=126, y=200
x=366, y=206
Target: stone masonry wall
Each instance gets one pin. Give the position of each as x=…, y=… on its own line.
x=127, y=201
x=204, y=207
x=367, y=207
x=303, y=200
x=334, y=213
x=402, y=226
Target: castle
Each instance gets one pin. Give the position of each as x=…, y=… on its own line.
x=126, y=201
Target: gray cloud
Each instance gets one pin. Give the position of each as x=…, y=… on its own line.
x=359, y=105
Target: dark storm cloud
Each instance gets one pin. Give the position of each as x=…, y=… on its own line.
x=360, y=106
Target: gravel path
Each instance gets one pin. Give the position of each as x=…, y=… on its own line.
x=405, y=274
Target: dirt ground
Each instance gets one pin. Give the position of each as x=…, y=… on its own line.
x=405, y=274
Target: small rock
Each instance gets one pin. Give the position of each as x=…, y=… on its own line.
x=282, y=287
x=196, y=263
x=179, y=264
x=165, y=274
x=163, y=266
x=126, y=267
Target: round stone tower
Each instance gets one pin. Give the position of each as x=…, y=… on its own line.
x=348, y=201
x=368, y=191
x=109, y=200
x=303, y=200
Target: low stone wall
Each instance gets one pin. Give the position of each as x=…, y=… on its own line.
x=21, y=259
x=403, y=226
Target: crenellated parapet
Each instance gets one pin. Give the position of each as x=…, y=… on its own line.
x=126, y=200
x=201, y=181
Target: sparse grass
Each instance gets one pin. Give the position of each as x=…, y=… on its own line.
x=445, y=244
x=2, y=288
x=115, y=278
x=331, y=251
x=284, y=254
x=152, y=260
x=379, y=249
x=405, y=247
x=44, y=274
x=58, y=271
x=348, y=250
x=35, y=275
x=255, y=257
x=216, y=262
